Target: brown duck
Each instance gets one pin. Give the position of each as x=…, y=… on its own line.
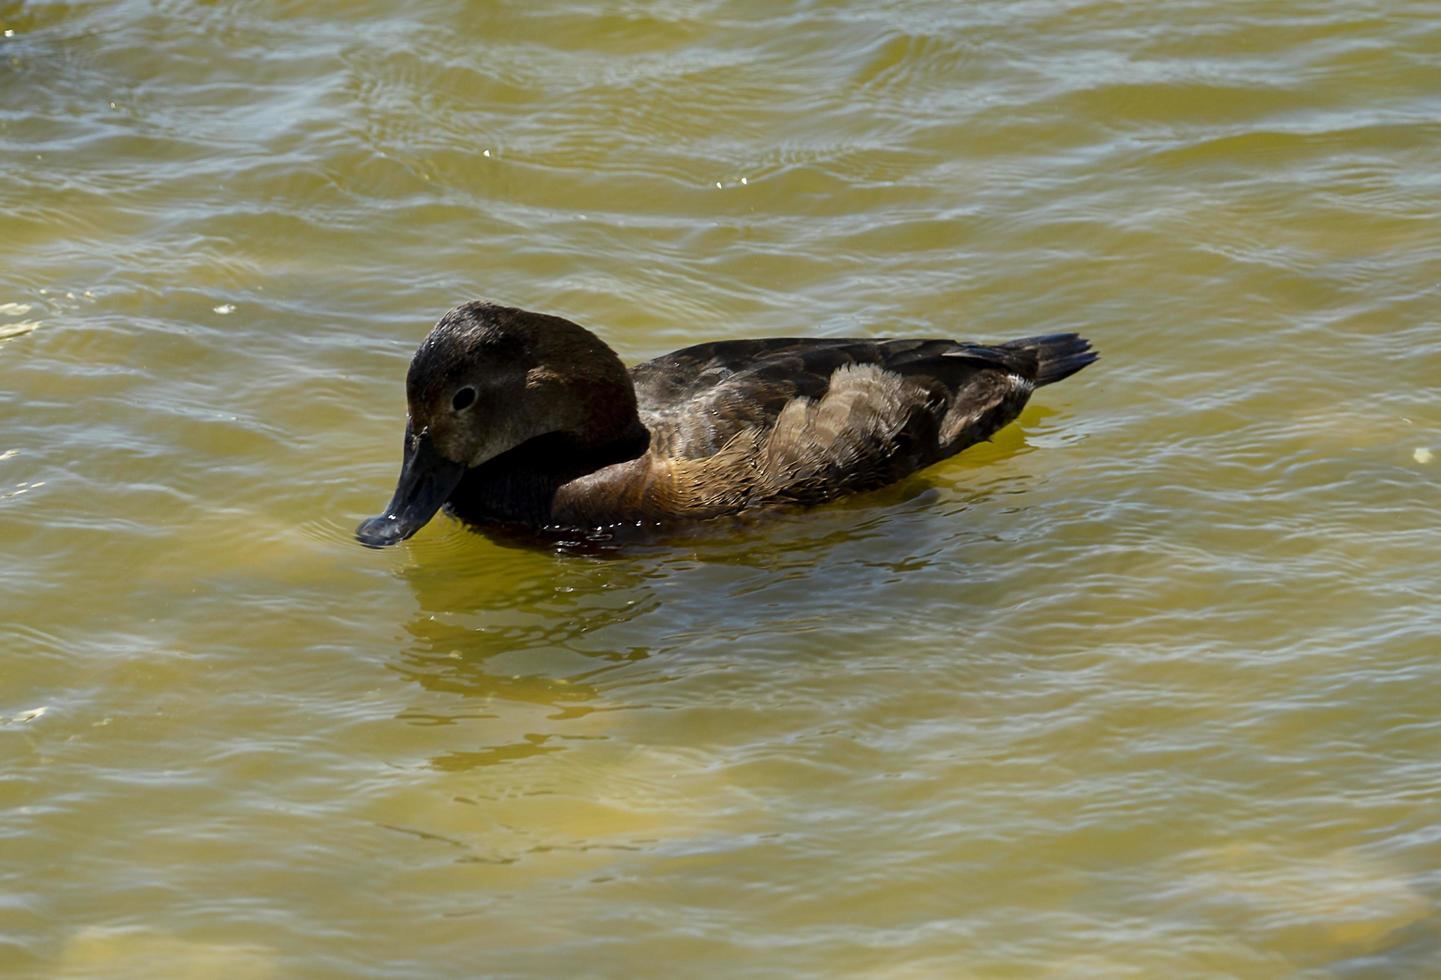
x=529, y=419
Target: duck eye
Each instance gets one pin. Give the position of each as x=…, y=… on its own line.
x=463, y=399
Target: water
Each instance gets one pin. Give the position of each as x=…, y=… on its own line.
x=1146, y=687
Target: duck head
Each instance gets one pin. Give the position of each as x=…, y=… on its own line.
x=487, y=380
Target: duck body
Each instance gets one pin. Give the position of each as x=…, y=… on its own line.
x=524, y=418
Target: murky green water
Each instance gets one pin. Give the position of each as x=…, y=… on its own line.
x=1147, y=687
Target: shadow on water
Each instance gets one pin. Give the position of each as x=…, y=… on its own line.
x=523, y=613
x=512, y=649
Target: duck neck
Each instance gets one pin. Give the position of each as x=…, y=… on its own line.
x=519, y=486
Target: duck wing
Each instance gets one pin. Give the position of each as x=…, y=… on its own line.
x=697, y=400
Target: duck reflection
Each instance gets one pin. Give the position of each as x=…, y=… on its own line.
x=532, y=644
x=520, y=636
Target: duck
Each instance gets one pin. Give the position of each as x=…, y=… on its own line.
x=527, y=419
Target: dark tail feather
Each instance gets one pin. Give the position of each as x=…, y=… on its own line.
x=1058, y=355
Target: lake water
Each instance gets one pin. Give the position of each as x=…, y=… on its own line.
x=1146, y=687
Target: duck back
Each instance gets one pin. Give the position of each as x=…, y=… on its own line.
x=749, y=423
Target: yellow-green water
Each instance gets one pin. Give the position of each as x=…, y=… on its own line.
x=1147, y=687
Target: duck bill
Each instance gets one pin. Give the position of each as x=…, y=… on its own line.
x=426, y=481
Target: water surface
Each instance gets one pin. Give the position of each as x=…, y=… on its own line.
x=1148, y=686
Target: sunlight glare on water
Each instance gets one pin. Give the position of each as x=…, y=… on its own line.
x=1147, y=686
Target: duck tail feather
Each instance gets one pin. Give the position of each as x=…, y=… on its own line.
x=1058, y=355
